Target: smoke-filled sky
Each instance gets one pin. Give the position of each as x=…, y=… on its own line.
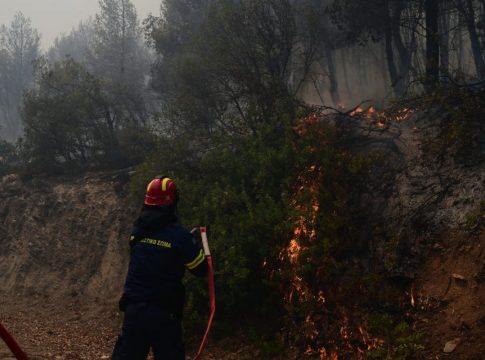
x=53, y=17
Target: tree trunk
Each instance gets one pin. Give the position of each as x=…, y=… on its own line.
x=483, y=12
x=391, y=65
x=475, y=40
x=343, y=61
x=332, y=76
x=402, y=79
x=123, y=40
x=460, y=45
x=432, y=45
x=445, y=46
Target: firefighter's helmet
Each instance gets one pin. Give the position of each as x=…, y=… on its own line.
x=161, y=191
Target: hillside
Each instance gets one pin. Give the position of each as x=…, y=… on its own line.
x=67, y=235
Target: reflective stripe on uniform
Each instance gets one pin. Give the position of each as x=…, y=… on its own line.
x=197, y=261
x=156, y=242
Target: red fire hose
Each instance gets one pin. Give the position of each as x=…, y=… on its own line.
x=12, y=344
x=212, y=294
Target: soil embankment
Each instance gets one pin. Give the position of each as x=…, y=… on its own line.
x=63, y=258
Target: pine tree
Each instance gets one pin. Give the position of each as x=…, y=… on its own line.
x=19, y=47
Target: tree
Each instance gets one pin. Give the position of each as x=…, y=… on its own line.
x=432, y=45
x=247, y=60
x=174, y=28
x=118, y=49
x=76, y=45
x=120, y=59
x=67, y=119
x=468, y=11
x=19, y=47
x=378, y=21
x=170, y=33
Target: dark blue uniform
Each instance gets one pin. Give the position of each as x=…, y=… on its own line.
x=153, y=295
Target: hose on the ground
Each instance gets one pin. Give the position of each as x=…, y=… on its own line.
x=12, y=344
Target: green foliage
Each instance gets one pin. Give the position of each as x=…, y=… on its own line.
x=135, y=143
x=229, y=145
x=240, y=190
x=69, y=123
x=400, y=342
x=61, y=117
x=234, y=72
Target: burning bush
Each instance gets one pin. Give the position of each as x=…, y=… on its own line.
x=332, y=283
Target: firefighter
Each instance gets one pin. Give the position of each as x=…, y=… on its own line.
x=153, y=295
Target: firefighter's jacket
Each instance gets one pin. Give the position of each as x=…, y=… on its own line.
x=158, y=260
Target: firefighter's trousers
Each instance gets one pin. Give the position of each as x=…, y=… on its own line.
x=148, y=326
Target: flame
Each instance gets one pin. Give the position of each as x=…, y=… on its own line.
x=413, y=303
x=357, y=111
x=371, y=343
x=305, y=201
x=294, y=248
x=380, y=118
x=321, y=297
x=404, y=114
x=322, y=353
x=304, y=224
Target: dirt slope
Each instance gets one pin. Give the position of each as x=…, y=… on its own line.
x=63, y=258
x=450, y=296
x=63, y=238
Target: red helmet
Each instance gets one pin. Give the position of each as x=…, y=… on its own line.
x=161, y=191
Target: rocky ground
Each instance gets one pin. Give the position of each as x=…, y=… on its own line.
x=60, y=332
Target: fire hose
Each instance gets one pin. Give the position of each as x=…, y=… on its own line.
x=12, y=344
x=212, y=295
